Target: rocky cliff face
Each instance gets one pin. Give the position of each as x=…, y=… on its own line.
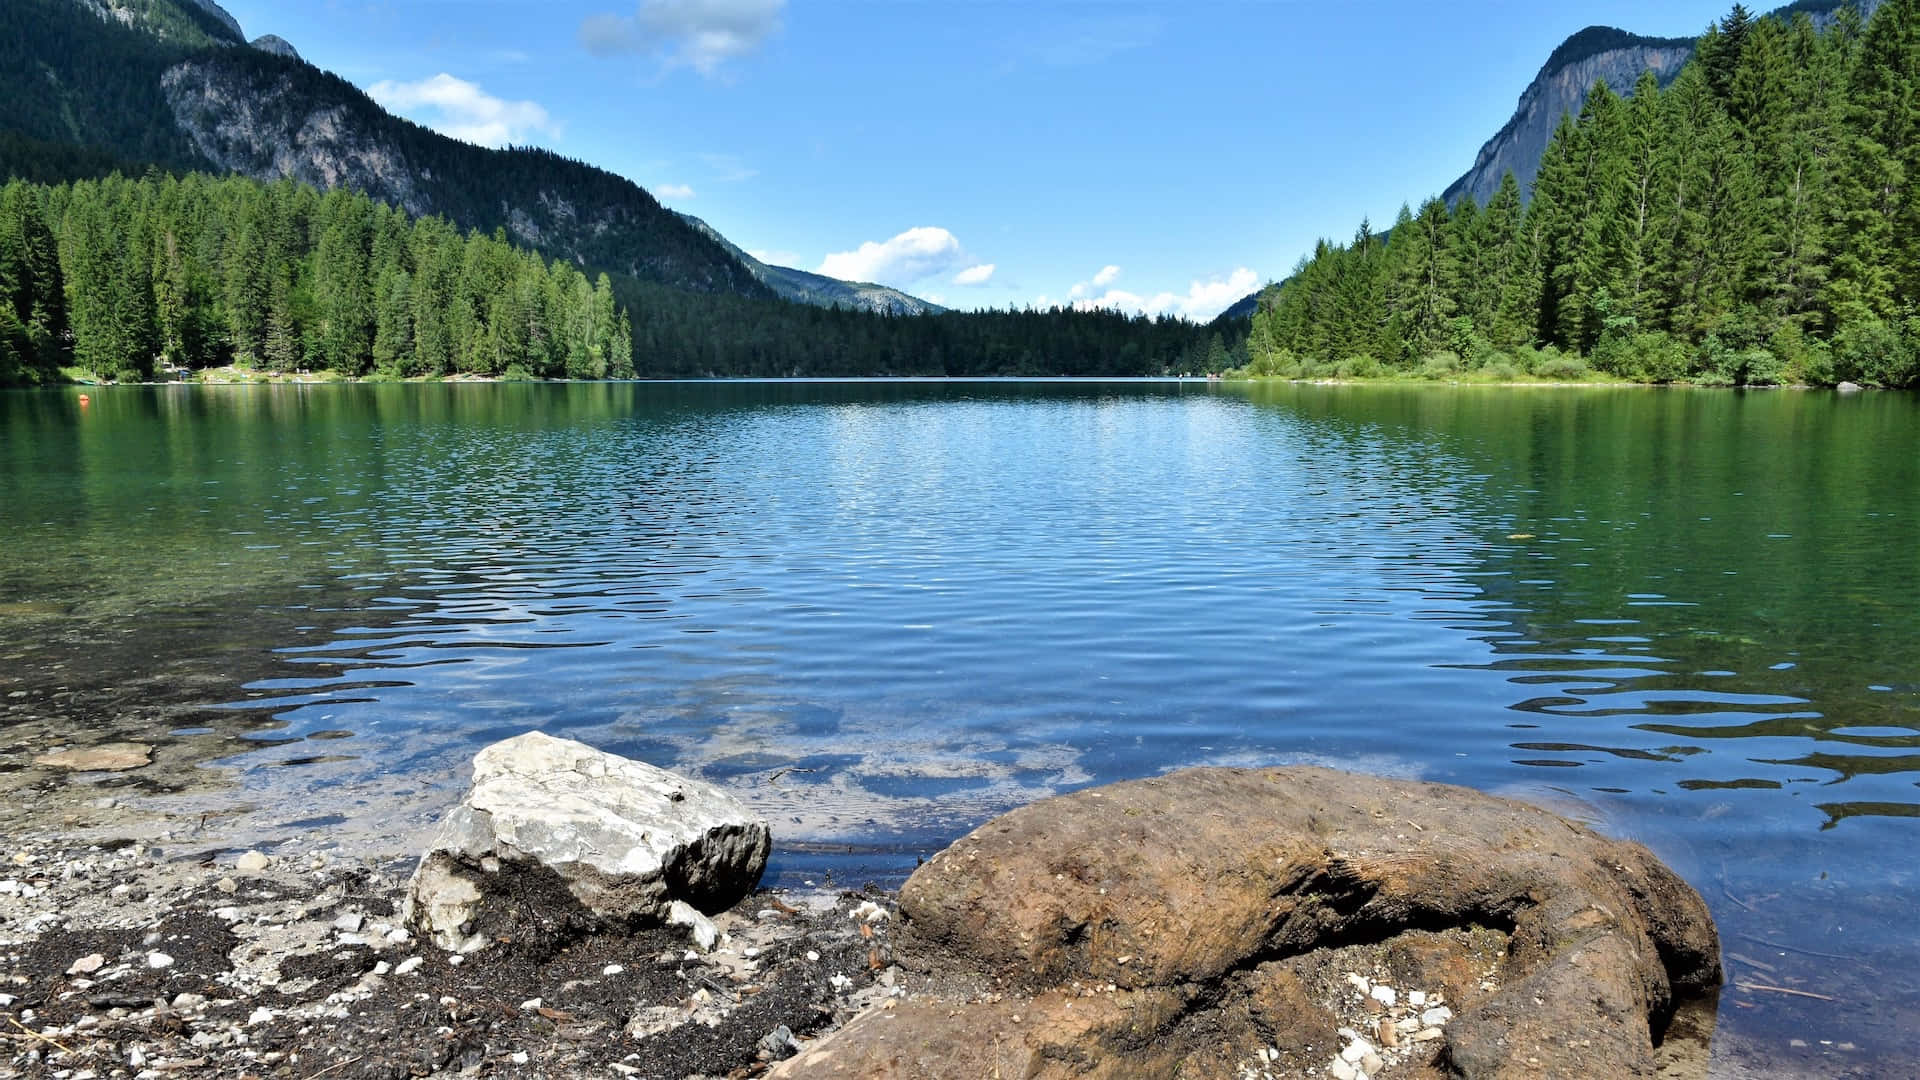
x=1562, y=87
x=272, y=129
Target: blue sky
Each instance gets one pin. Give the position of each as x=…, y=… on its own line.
x=1161, y=156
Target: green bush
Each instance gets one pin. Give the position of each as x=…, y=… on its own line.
x=1558, y=368
x=1500, y=368
x=1444, y=364
x=1870, y=351
x=1359, y=367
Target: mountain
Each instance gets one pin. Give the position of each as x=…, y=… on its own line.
x=819, y=290
x=1590, y=56
x=94, y=85
x=1570, y=73
x=1593, y=54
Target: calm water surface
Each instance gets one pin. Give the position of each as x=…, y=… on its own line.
x=886, y=611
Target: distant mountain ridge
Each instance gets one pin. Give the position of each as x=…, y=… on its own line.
x=819, y=290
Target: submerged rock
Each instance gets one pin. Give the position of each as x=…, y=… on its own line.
x=556, y=837
x=107, y=757
x=1174, y=926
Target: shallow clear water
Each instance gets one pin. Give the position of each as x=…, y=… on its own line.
x=886, y=611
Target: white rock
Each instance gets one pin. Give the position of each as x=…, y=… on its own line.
x=261, y=1015
x=1417, y=998
x=612, y=970
x=531, y=1004
x=812, y=957
x=625, y=838
x=408, y=966
x=1436, y=1017
x=398, y=936
x=159, y=960
x=1343, y=1070
x=705, y=934
x=1356, y=1050
x=1384, y=995
x=1428, y=1034
x=519, y=1057
x=868, y=911
x=1372, y=1064
x=252, y=862
x=87, y=965
x=1358, y=982
x=349, y=923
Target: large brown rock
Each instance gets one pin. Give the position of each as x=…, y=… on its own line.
x=1171, y=925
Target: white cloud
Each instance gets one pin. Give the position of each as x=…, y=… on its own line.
x=914, y=255
x=700, y=34
x=975, y=275
x=673, y=191
x=464, y=111
x=777, y=258
x=1202, y=302
x=729, y=168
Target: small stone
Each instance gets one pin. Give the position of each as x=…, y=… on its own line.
x=187, y=1002
x=868, y=911
x=519, y=1057
x=612, y=969
x=1386, y=1035
x=1417, y=998
x=705, y=934
x=813, y=957
x=227, y=885
x=1355, y=1050
x=1384, y=995
x=261, y=1015
x=1342, y=1070
x=408, y=966
x=1358, y=982
x=1428, y=1034
x=455, y=960
x=382, y=968
x=108, y=757
x=159, y=961
x=1436, y=1017
x=349, y=923
x=87, y=965
x=531, y=1005
x=1372, y=1064
x=252, y=862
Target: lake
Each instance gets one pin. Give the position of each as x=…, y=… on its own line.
x=884, y=611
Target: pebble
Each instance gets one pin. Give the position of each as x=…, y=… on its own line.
x=1384, y=995
x=1343, y=1070
x=1428, y=1034
x=1417, y=998
x=813, y=957
x=398, y=936
x=531, y=1004
x=349, y=923
x=1355, y=1050
x=868, y=911
x=519, y=1057
x=159, y=960
x=261, y=1015
x=612, y=969
x=227, y=885
x=252, y=862
x=1436, y=1017
x=87, y=965
x=1372, y=1064
x=408, y=966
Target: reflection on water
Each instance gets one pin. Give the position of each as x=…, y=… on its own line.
x=883, y=612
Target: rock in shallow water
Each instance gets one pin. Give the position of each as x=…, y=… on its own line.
x=1176, y=893
x=555, y=823
x=107, y=757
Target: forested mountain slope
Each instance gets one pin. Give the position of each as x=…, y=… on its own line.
x=171, y=82
x=1754, y=223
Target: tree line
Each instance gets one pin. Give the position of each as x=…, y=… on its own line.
x=126, y=277
x=120, y=277
x=1755, y=222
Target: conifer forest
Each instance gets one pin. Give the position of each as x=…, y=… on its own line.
x=1752, y=223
